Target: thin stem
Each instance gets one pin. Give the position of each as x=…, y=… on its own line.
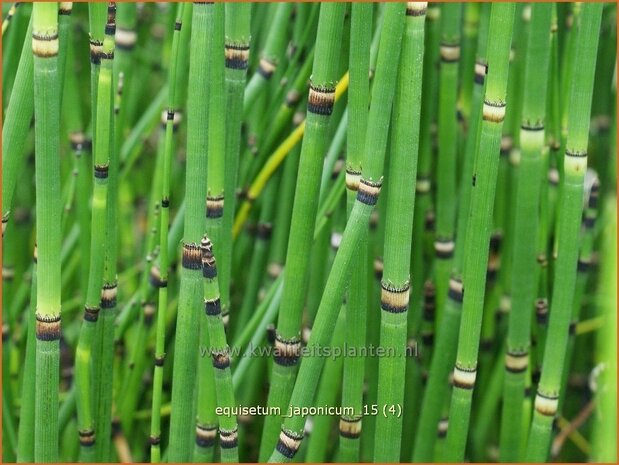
x=395, y=283
x=479, y=228
x=48, y=211
x=574, y=168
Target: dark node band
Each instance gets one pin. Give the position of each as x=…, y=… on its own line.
x=441, y=430
x=101, y=171
x=155, y=278
x=212, y=307
x=228, y=439
x=45, y=37
x=450, y=53
x=464, y=378
x=271, y=334
x=444, y=249
x=572, y=328
x=91, y=314
x=456, y=290
x=165, y=202
x=415, y=11
x=87, y=438
x=394, y=299
x=292, y=98
x=221, y=360
x=205, y=435
x=286, y=352
x=583, y=265
x=48, y=327
x=427, y=338
x=479, y=79
x=159, y=360
x=192, y=257
x=178, y=25
x=170, y=115
x=541, y=311
x=589, y=222
x=266, y=68
x=516, y=362
x=368, y=191
x=350, y=427
x=264, y=231
x=486, y=344
x=532, y=127
x=106, y=55
x=108, y=296
x=321, y=100
x=215, y=207
x=110, y=29
x=154, y=440
x=288, y=443
x=209, y=272
x=63, y=10
x=237, y=56
x=576, y=154
x=149, y=312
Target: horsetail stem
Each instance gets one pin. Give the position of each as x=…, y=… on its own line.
x=446, y=341
x=206, y=426
x=447, y=149
x=395, y=283
x=87, y=369
x=321, y=98
x=271, y=54
x=185, y=355
x=18, y=116
x=356, y=309
x=291, y=433
x=237, y=49
x=526, y=220
x=143, y=229
x=163, y=272
x=478, y=227
x=48, y=210
x=574, y=167
x=228, y=427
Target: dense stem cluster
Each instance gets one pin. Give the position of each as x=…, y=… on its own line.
x=309, y=232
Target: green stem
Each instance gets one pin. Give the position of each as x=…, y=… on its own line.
x=479, y=228
x=320, y=105
x=357, y=227
x=574, y=167
x=524, y=283
x=395, y=284
x=48, y=211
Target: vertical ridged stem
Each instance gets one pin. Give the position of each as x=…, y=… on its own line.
x=48, y=211
x=182, y=420
x=291, y=433
x=237, y=49
x=219, y=350
x=320, y=105
x=86, y=365
x=25, y=433
x=17, y=118
x=479, y=228
x=105, y=331
x=524, y=283
x=161, y=274
x=270, y=56
x=356, y=306
x=446, y=166
x=446, y=341
x=395, y=283
x=570, y=205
